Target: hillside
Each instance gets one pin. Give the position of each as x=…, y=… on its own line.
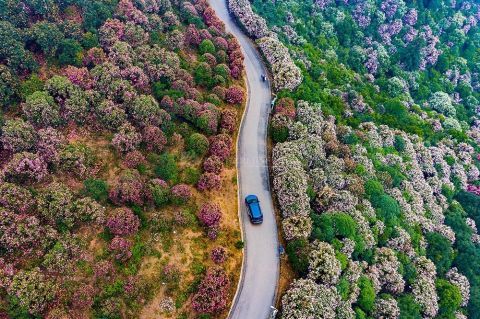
x=118, y=178
x=375, y=162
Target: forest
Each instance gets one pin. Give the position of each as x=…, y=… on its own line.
x=376, y=155
x=118, y=121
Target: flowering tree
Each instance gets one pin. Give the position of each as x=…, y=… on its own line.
x=33, y=289
x=235, y=95
x=306, y=299
x=212, y=294
x=25, y=167
x=121, y=248
x=16, y=198
x=123, y=222
x=181, y=193
x=218, y=255
x=40, y=109
x=55, y=204
x=128, y=188
x=209, y=181
x=18, y=136
x=127, y=138
x=323, y=265
x=213, y=164
x=221, y=146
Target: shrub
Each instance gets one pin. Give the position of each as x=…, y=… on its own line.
x=18, y=135
x=54, y=204
x=96, y=189
x=87, y=209
x=158, y=192
x=33, y=289
x=209, y=181
x=40, y=109
x=235, y=95
x=134, y=159
x=450, y=298
x=229, y=121
x=121, y=248
x=213, y=164
x=221, y=146
x=154, y=139
x=181, y=193
x=50, y=142
x=127, y=139
x=197, y=144
x=70, y=53
x=191, y=175
x=127, y=189
x=439, y=251
x=77, y=159
x=16, y=198
x=123, y=222
x=206, y=46
x=212, y=294
x=297, y=252
x=25, y=167
x=218, y=255
x=366, y=298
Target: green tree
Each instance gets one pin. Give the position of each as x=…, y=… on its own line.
x=366, y=298
x=440, y=251
x=449, y=296
x=70, y=53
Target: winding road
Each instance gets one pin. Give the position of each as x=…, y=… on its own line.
x=258, y=283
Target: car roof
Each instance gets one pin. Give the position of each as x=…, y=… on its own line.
x=255, y=209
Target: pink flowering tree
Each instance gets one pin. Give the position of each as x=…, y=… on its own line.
x=210, y=216
x=181, y=193
x=235, y=95
x=218, y=255
x=209, y=181
x=221, y=146
x=212, y=294
x=121, y=248
x=128, y=189
x=127, y=139
x=123, y=222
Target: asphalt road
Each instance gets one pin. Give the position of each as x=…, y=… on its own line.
x=257, y=287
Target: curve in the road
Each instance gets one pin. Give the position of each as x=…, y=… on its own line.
x=257, y=287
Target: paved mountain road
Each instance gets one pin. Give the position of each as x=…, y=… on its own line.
x=258, y=284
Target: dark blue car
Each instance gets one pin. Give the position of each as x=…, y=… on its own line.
x=253, y=207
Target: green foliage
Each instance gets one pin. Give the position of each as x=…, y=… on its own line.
x=48, y=36
x=387, y=208
x=330, y=225
x=440, y=252
x=471, y=204
x=31, y=85
x=203, y=75
x=297, y=252
x=191, y=175
x=366, y=298
x=449, y=296
x=70, y=53
x=206, y=46
x=96, y=189
x=409, y=309
x=197, y=144
x=166, y=167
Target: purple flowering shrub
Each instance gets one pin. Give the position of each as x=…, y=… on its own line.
x=123, y=222
x=212, y=294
